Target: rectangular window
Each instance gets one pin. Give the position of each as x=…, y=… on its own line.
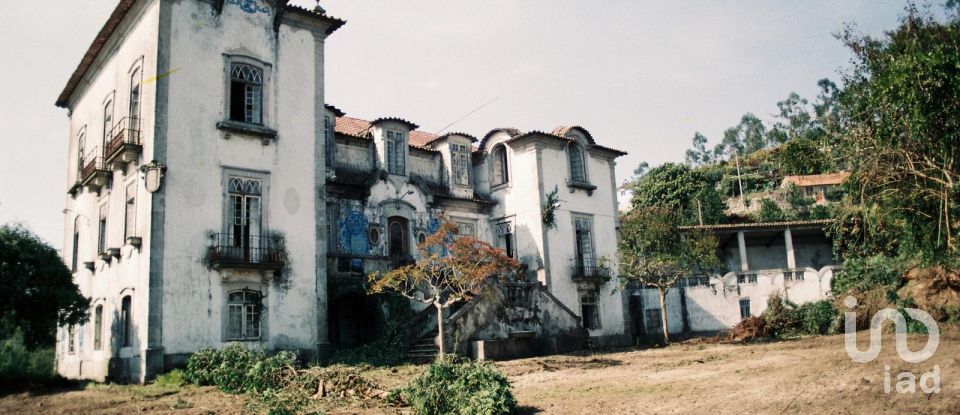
x=130, y=212
x=505, y=238
x=584, y=243
x=81, y=142
x=134, y=109
x=747, y=278
x=744, y=307
x=330, y=144
x=333, y=222
x=246, y=93
x=243, y=315
x=98, y=328
x=244, y=225
x=125, y=321
x=465, y=229
x=76, y=248
x=590, y=310
x=107, y=121
x=395, y=146
x=102, y=230
x=71, y=339
x=460, y=158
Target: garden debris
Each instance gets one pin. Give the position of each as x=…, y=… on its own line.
x=750, y=329
x=934, y=290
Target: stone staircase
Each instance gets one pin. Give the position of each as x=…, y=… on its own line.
x=424, y=349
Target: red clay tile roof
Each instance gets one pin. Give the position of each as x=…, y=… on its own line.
x=816, y=179
x=117, y=16
x=356, y=127
x=409, y=124
x=103, y=35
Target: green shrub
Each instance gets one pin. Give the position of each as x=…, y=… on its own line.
x=269, y=373
x=863, y=274
x=460, y=387
x=770, y=212
x=20, y=366
x=225, y=368
x=817, y=318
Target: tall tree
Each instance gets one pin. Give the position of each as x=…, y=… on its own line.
x=683, y=188
x=699, y=155
x=451, y=269
x=655, y=252
x=901, y=110
x=38, y=291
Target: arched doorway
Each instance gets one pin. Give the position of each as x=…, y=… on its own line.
x=398, y=233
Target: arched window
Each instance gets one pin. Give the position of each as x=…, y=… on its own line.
x=243, y=315
x=126, y=314
x=81, y=143
x=397, y=231
x=98, y=328
x=578, y=170
x=134, y=108
x=107, y=121
x=246, y=93
x=500, y=174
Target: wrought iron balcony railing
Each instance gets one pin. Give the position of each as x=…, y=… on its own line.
x=124, y=140
x=230, y=250
x=594, y=273
x=94, y=173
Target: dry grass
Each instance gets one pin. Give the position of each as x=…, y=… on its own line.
x=810, y=375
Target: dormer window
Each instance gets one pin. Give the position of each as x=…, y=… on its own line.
x=499, y=173
x=578, y=170
x=460, y=161
x=246, y=93
x=395, y=145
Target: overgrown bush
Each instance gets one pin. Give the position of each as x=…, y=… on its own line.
x=386, y=350
x=770, y=212
x=226, y=368
x=460, y=387
x=785, y=318
x=277, y=383
x=21, y=366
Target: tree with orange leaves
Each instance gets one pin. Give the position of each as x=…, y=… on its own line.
x=450, y=269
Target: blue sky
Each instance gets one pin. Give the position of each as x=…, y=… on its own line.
x=641, y=76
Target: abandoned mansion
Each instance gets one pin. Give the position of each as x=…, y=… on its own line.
x=214, y=196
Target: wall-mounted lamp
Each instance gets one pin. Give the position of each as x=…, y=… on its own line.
x=153, y=173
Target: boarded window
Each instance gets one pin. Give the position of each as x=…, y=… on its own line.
x=460, y=157
x=395, y=146
x=499, y=174
x=130, y=211
x=107, y=120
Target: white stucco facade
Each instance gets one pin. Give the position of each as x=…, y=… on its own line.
x=162, y=286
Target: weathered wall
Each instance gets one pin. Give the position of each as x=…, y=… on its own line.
x=109, y=79
x=198, y=154
x=716, y=307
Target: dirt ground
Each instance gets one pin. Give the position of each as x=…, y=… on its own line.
x=811, y=375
